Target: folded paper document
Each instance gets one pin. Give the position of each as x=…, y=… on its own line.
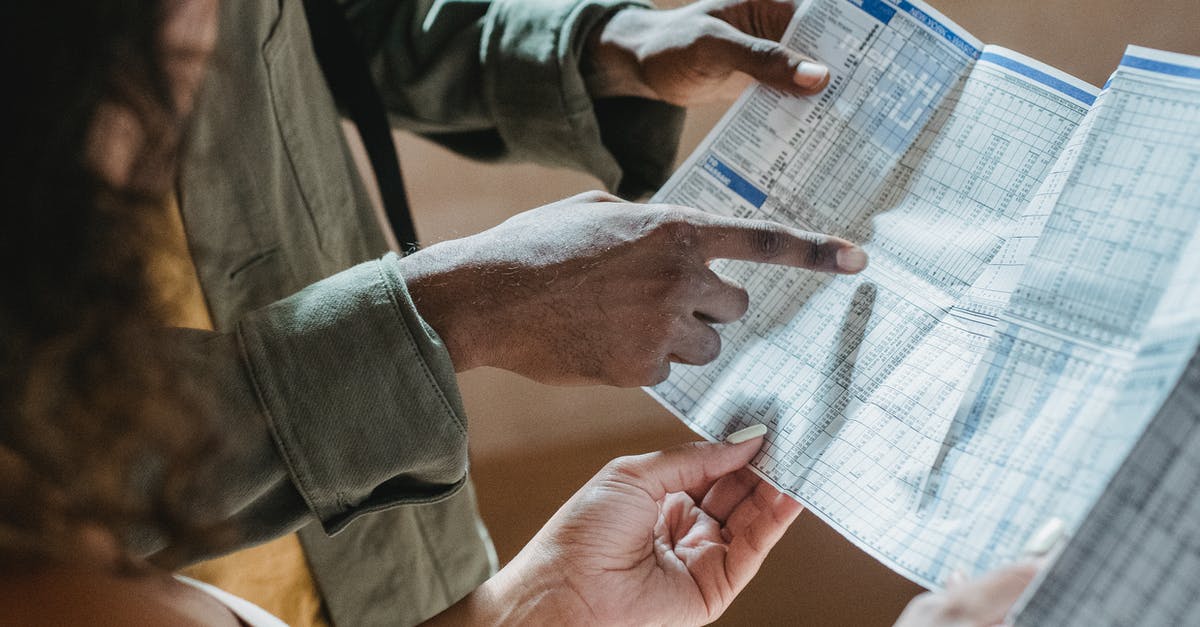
x=1135, y=560
x=1031, y=301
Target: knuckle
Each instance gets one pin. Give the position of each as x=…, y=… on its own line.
x=596, y=196
x=674, y=324
x=625, y=466
x=677, y=231
x=710, y=347
x=672, y=275
x=741, y=302
x=689, y=448
x=661, y=328
x=650, y=339
x=710, y=34
x=678, y=287
x=768, y=52
x=926, y=605
x=927, y=600
x=817, y=256
x=660, y=373
x=768, y=240
x=649, y=364
x=645, y=374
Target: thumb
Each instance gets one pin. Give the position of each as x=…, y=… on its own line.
x=990, y=598
x=685, y=467
x=770, y=63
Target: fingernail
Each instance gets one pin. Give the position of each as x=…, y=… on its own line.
x=809, y=74
x=851, y=259
x=956, y=578
x=1045, y=538
x=749, y=433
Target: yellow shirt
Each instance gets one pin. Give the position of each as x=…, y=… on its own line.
x=275, y=576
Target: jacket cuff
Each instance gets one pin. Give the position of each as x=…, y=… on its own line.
x=533, y=84
x=359, y=393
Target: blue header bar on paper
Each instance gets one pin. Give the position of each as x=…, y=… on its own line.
x=939, y=28
x=877, y=9
x=1037, y=75
x=1161, y=67
x=734, y=181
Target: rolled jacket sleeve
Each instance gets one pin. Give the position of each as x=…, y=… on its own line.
x=358, y=393
x=501, y=79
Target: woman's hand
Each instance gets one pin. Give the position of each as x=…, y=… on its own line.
x=664, y=538
x=983, y=602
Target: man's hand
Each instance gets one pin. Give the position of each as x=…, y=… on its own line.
x=594, y=290
x=667, y=538
x=984, y=602
x=706, y=51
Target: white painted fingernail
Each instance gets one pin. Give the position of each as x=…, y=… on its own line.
x=1045, y=538
x=749, y=433
x=851, y=259
x=809, y=74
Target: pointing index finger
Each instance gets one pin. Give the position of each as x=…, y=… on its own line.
x=770, y=242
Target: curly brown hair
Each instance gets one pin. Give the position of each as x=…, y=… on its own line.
x=97, y=430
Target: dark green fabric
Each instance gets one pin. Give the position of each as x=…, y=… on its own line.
x=343, y=401
x=499, y=79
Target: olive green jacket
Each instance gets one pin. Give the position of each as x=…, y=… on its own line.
x=341, y=401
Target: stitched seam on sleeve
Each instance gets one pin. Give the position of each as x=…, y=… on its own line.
x=344, y=519
x=564, y=32
x=578, y=121
x=428, y=375
x=291, y=458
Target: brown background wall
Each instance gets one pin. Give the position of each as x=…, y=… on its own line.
x=534, y=445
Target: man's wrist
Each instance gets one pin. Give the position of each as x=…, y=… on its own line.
x=609, y=64
x=441, y=296
x=481, y=607
x=513, y=598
